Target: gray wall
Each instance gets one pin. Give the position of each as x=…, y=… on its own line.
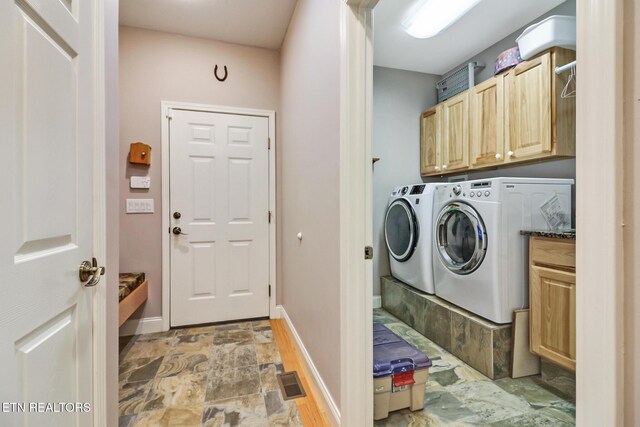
x=309, y=145
x=398, y=99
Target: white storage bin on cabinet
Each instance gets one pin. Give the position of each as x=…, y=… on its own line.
x=556, y=30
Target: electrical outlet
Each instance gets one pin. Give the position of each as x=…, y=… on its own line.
x=136, y=206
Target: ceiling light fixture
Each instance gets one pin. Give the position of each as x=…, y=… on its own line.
x=434, y=16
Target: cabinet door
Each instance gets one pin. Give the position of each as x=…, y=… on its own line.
x=553, y=314
x=530, y=108
x=430, y=141
x=455, y=133
x=486, y=103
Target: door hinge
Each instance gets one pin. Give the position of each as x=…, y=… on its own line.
x=269, y=217
x=269, y=290
x=368, y=252
x=169, y=114
x=269, y=143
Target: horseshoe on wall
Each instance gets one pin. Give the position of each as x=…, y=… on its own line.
x=220, y=79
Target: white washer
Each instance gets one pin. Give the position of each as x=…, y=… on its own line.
x=408, y=224
x=480, y=259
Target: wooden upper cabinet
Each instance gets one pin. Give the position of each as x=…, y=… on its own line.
x=517, y=116
x=530, y=108
x=540, y=122
x=486, y=102
x=430, y=141
x=455, y=133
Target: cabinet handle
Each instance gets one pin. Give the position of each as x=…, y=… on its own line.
x=444, y=167
x=498, y=156
x=437, y=168
x=510, y=154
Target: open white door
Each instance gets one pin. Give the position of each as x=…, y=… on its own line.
x=46, y=171
x=219, y=204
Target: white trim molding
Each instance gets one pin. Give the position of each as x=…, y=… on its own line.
x=599, y=250
x=145, y=325
x=165, y=107
x=377, y=301
x=101, y=392
x=333, y=408
x=356, y=285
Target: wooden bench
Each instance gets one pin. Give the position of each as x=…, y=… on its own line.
x=134, y=290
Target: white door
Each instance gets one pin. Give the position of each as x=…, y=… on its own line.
x=219, y=201
x=46, y=168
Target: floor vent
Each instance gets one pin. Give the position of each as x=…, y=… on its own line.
x=290, y=385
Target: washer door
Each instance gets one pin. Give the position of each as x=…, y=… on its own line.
x=401, y=229
x=461, y=238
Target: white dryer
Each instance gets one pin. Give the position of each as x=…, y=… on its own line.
x=480, y=259
x=408, y=224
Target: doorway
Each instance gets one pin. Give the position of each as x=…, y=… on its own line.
x=218, y=210
x=599, y=337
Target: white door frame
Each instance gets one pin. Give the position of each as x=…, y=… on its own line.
x=600, y=329
x=356, y=283
x=599, y=250
x=166, y=237
x=102, y=299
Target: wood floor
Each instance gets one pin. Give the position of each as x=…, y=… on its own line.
x=310, y=410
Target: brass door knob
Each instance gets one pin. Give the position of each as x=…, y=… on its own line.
x=89, y=273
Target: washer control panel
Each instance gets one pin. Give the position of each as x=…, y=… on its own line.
x=474, y=190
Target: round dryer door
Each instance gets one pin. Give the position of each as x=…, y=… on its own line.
x=461, y=238
x=401, y=229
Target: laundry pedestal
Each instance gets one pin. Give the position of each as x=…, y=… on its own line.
x=400, y=372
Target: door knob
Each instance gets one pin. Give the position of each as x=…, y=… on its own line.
x=89, y=273
x=178, y=230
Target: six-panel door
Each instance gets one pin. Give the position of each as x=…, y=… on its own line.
x=219, y=189
x=47, y=83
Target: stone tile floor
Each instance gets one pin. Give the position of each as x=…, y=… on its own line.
x=458, y=395
x=221, y=375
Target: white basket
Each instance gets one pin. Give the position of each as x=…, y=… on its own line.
x=556, y=30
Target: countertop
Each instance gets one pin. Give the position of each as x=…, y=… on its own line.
x=559, y=234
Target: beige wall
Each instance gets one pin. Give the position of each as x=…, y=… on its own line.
x=156, y=66
x=309, y=137
x=631, y=213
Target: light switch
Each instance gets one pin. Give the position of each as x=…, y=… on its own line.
x=140, y=182
x=136, y=206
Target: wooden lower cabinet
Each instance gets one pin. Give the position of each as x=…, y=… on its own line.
x=552, y=300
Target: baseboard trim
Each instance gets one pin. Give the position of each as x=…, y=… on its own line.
x=377, y=301
x=146, y=325
x=328, y=399
x=277, y=313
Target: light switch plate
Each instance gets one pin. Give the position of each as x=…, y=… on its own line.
x=136, y=206
x=140, y=182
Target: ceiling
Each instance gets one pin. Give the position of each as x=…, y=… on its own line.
x=489, y=22
x=261, y=23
